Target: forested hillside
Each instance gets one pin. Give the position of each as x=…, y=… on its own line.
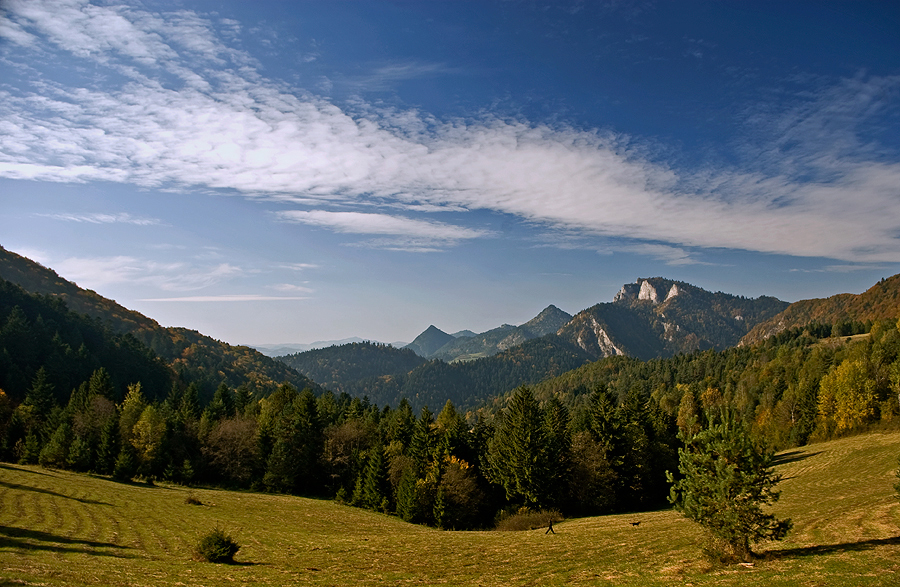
x=338, y=368
x=432, y=383
x=38, y=334
x=496, y=340
x=793, y=387
x=595, y=440
x=197, y=358
x=879, y=302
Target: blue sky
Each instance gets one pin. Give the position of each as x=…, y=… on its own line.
x=284, y=172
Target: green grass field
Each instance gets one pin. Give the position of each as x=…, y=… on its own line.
x=59, y=528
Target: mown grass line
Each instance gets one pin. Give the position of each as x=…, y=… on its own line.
x=60, y=528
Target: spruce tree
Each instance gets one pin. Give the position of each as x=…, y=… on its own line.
x=725, y=481
x=517, y=455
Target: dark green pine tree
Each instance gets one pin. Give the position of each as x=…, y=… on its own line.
x=222, y=404
x=108, y=448
x=100, y=384
x=725, y=482
x=292, y=466
x=55, y=452
x=402, y=424
x=517, y=455
x=371, y=488
x=422, y=443
x=559, y=446
x=189, y=407
x=407, y=496
x=40, y=397
x=241, y=399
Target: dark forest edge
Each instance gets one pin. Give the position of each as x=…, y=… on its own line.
x=595, y=440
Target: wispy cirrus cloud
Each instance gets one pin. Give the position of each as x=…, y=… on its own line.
x=823, y=192
x=408, y=233
x=226, y=298
x=171, y=276
x=104, y=218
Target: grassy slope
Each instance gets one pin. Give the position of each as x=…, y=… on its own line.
x=58, y=528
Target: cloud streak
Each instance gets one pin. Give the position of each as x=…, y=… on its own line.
x=226, y=298
x=174, y=276
x=191, y=111
x=102, y=218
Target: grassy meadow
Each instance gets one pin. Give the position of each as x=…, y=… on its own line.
x=61, y=528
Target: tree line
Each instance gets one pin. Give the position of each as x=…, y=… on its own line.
x=436, y=470
x=595, y=440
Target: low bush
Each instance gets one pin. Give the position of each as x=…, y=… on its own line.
x=526, y=519
x=217, y=547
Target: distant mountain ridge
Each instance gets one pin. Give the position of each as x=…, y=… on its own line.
x=280, y=350
x=205, y=360
x=879, y=302
x=467, y=345
x=653, y=317
x=427, y=343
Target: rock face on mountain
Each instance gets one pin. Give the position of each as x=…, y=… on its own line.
x=659, y=317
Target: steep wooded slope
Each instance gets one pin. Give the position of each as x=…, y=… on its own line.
x=204, y=360
x=879, y=302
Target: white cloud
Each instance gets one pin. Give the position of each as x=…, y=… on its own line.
x=173, y=276
x=226, y=298
x=369, y=223
x=299, y=266
x=229, y=128
x=102, y=218
x=291, y=287
x=668, y=254
x=405, y=234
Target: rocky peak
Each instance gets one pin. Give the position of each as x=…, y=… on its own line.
x=648, y=292
x=652, y=290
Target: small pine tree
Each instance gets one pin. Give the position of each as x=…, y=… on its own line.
x=126, y=464
x=30, y=450
x=725, y=481
x=406, y=496
x=55, y=452
x=80, y=455
x=108, y=448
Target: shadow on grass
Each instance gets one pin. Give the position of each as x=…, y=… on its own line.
x=48, y=492
x=792, y=457
x=831, y=548
x=22, y=469
x=37, y=540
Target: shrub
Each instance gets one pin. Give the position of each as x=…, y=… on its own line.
x=217, y=547
x=526, y=519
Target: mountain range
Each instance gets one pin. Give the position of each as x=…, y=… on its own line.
x=649, y=318
x=652, y=317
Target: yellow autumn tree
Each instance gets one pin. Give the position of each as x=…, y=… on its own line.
x=847, y=395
